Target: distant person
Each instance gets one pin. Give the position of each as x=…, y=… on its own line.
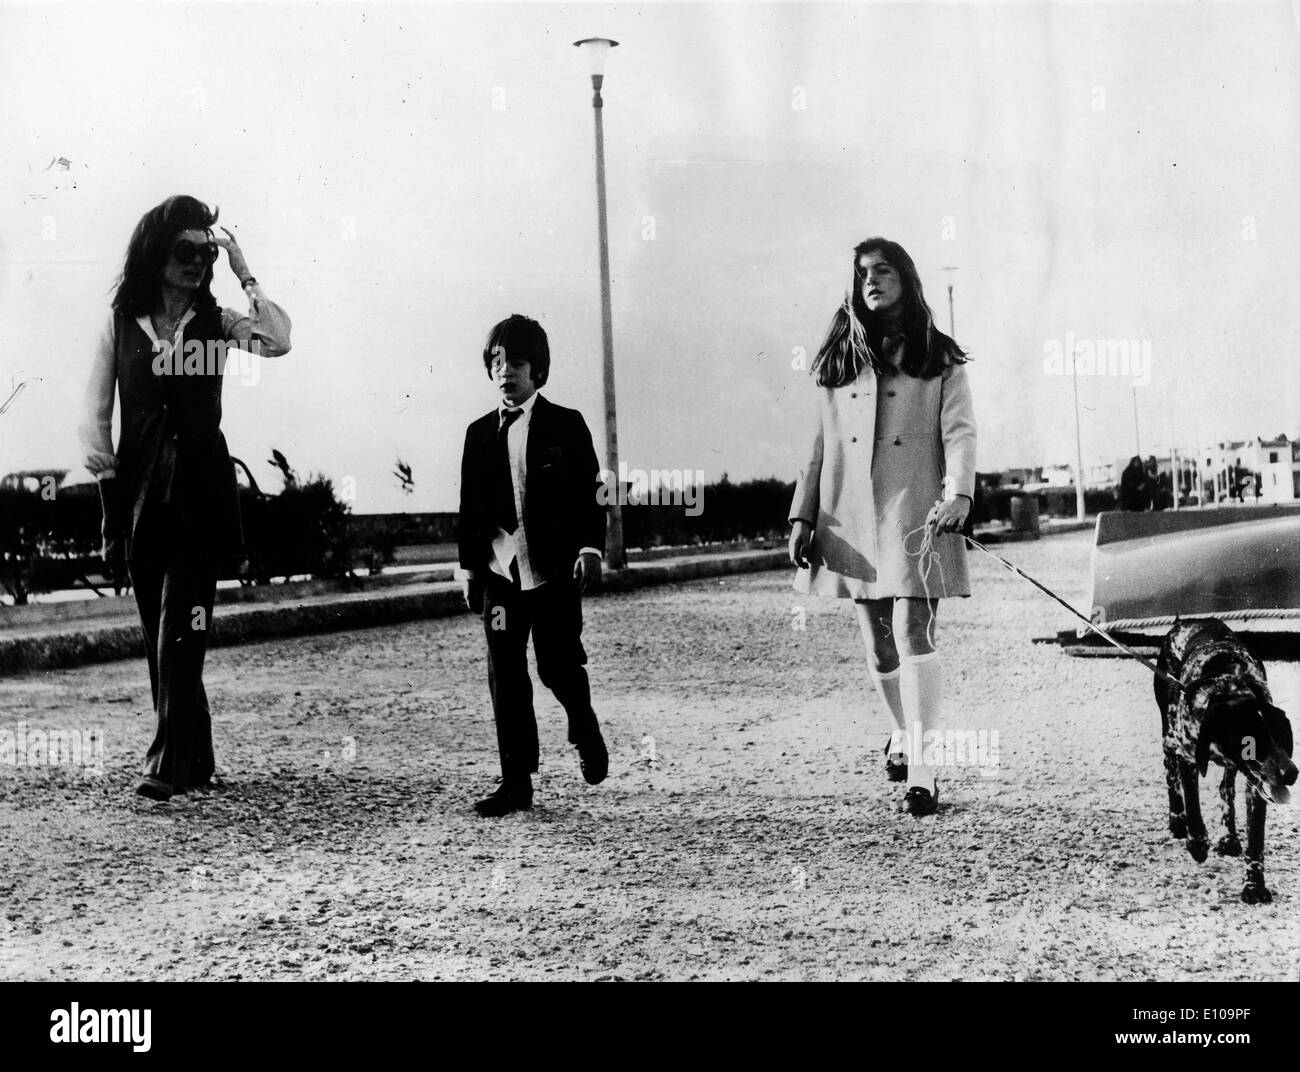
x=1152, y=483
x=890, y=453
x=171, y=506
x=1164, y=492
x=1133, y=485
x=531, y=533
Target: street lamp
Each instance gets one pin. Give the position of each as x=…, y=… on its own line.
x=950, y=271
x=1079, y=512
x=1137, y=436
x=597, y=48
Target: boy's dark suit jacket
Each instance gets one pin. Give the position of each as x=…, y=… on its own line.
x=561, y=512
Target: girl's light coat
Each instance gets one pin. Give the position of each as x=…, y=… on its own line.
x=859, y=522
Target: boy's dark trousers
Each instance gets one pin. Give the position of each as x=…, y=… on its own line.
x=175, y=584
x=553, y=614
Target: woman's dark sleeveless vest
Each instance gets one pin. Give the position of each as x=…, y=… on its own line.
x=171, y=449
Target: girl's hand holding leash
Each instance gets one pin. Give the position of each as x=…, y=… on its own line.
x=949, y=515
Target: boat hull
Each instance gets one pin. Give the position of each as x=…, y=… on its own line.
x=1224, y=562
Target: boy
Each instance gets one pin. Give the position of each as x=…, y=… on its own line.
x=531, y=529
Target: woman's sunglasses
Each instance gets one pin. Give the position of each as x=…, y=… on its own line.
x=187, y=252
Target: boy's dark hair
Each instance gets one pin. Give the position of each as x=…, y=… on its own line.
x=522, y=338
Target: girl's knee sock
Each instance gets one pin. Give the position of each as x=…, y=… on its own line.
x=887, y=686
x=920, y=683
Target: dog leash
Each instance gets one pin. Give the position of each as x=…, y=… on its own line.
x=1166, y=677
x=929, y=554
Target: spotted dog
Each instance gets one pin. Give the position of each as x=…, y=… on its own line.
x=1223, y=712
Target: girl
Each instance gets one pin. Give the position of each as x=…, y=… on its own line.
x=893, y=452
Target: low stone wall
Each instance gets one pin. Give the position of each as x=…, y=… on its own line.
x=76, y=643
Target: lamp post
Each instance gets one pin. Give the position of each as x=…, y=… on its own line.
x=950, y=271
x=1137, y=436
x=597, y=48
x=1079, y=512
x=1176, y=476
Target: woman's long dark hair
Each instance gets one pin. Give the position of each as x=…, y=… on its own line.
x=139, y=286
x=856, y=335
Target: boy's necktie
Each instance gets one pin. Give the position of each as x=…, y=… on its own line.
x=506, y=516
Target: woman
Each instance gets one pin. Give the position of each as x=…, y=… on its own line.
x=171, y=506
x=1133, y=485
x=892, y=456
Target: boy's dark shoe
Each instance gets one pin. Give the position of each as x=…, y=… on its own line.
x=510, y=796
x=593, y=756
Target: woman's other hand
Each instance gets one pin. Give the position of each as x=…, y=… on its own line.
x=800, y=541
x=586, y=570
x=950, y=515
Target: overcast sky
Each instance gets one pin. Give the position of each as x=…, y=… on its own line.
x=402, y=176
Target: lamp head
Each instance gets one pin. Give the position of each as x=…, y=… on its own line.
x=596, y=48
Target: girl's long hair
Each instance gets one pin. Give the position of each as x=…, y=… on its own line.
x=855, y=337
x=140, y=284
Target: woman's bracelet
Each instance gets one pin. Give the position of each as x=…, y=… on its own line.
x=249, y=281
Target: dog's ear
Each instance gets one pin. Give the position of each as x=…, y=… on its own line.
x=1279, y=727
x=1225, y=721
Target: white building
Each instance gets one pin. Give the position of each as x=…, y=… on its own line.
x=1279, y=469
x=1275, y=461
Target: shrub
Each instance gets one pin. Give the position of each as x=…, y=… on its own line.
x=753, y=510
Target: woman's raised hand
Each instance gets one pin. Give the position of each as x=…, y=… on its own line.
x=230, y=244
x=800, y=541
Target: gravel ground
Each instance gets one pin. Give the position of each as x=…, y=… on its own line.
x=761, y=842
